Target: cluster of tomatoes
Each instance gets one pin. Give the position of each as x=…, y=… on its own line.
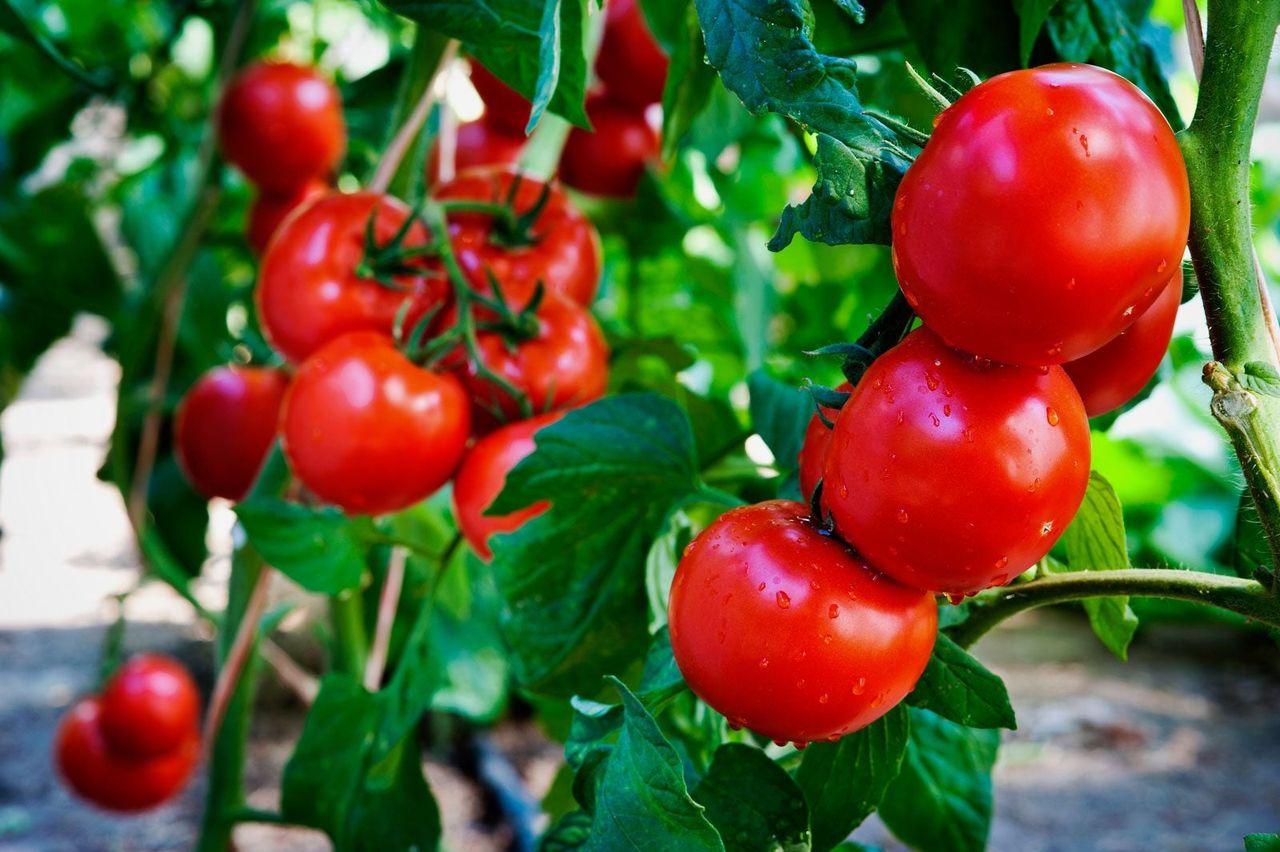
x=607, y=160
x=134, y=745
x=1039, y=237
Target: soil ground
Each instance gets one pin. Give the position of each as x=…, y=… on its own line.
x=1178, y=749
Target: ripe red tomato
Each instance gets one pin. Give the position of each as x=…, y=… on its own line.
x=270, y=209
x=505, y=109
x=224, y=428
x=1045, y=213
x=951, y=474
x=367, y=430
x=788, y=632
x=565, y=365
x=610, y=159
x=92, y=769
x=561, y=249
x=149, y=707
x=309, y=288
x=282, y=125
x=478, y=145
x=1109, y=377
x=813, y=452
x=481, y=479
x=631, y=65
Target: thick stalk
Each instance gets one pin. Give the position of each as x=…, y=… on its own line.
x=1216, y=147
x=1244, y=597
x=350, y=640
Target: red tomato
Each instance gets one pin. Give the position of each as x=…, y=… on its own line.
x=565, y=365
x=269, y=210
x=282, y=125
x=788, y=632
x=953, y=475
x=482, y=476
x=1045, y=213
x=149, y=707
x=224, y=428
x=813, y=452
x=367, y=430
x=1109, y=377
x=309, y=290
x=478, y=145
x=610, y=159
x=505, y=109
x=112, y=781
x=561, y=250
x=631, y=66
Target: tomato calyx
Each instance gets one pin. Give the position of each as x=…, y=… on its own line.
x=511, y=229
x=383, y=262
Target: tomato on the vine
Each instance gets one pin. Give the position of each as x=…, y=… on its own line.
x=786, y=631
x=1046, y=212
x=482, y=476
x=149, y=707
x=269, y=209
x=631, y=65
x=505, y=109
x=116, y=782
x=281, y=124
x=312, y=286
x=953, y=474
x=610, y=159
x=224, y=428
x=369, y=431
x=558, y=248
x=1109, y=377
x=478, y=144
x=813, y=452
x=563, y=362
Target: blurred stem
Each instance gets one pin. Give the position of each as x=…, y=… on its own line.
x=350, y=643
x=431, y=52
x=1244, y=597
x=1242, y=329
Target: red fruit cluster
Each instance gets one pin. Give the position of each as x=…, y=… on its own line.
x=282, y=126
x=135, y=745
x=1039, y=236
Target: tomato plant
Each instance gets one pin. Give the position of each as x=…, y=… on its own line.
x=610, y=158
x=150, y=707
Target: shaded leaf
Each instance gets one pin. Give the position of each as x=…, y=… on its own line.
x=1095, y=541
x=959, y=688
x=753, y=801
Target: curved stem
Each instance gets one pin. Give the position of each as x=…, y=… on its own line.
x=376, y=663
x=1244, y=597
x=413, y=122
x=237, y=656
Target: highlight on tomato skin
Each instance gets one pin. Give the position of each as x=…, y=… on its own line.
x=149, y=707
x=784, y=630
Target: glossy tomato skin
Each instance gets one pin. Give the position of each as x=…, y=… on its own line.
x=505, y=109
x=309, y=291
x=281, y=124
x=788, y=632
x=813, y=452
x=112, y=781
x=631, y=65
x=484, y=473
x=564, y=253
x=270, y=209
x=1047, y=210
x=954, y=475
x=224, y=428
x=149, y=707
x=1109, y=377
x=365, y=429
x=565, y=365
x=610, y=159
x=478, y=145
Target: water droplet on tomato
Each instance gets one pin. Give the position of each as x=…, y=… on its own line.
x=833, y=611
x=1051, y=415
x=946, y=411
x=1071, y=285
x=1048, y=110
x=1002, y=562
x=932, y=381
x=823, y=698
x=844, y=491
x=902, y=416
x=933, y=418
x=1084, y=143
x=903, y=517
x=760, y=588
x=783, y=599
x=1128, y=312
x=764, y=662
x=1164, y=264
x=860, y=686
x=954, y=598
x=1046, y=528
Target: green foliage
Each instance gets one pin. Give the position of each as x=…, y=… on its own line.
x=320, y=549
x=959, y=688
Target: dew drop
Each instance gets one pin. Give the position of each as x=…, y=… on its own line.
x=902, y=416
x=968, y=434
x=1084, y=143
x=737, y=723
x=826, y=638
x=878, y=700
x=1046, y=528
x=783, y=599
x=1034, y=486
x=760, y=588
x=954, y=598
x=860, y=686
x=946, y=411
x=1164, y=264
x=833, y=611
x=764, y=662
x=844, y=491
x=1051, y=415
x=1071, y=285
x=1002, y=562
x=933, y=418
x=1048, y=111
x=1128, y=312
x=823, y=698
x=903, y=517
x=932, y=381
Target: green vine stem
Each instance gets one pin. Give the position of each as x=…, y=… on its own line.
x=1244, y=597
x=1242, y=329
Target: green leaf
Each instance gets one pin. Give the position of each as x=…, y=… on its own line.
x=852, y=8
x=752, y=800
x=320, y=549
x=465, y=642
x=571, y=832
x=642, y=802
x=844, y=781
x=959, y=688
x=536, y=48
x=573, y=577
x=779, y=414
x=690, y=81
x=1261, y=377
x=975, y=34
x=1032, y=14
x=1095, y=541
x=941, y=800
x=1262, y=843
